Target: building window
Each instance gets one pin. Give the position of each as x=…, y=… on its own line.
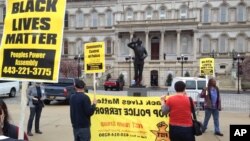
x=124, y=51
x=65, y=47
x=241, y=41
x=149, y=13
x=129, y=14
x=79, y=46
x=162, y=13
x=109, y=46
x=241, y=13
x=206, y=14
x=2, y=13
x=66, y=20
x=109, y=18
x=224, y=13
x=184, y=12
x=206, y=45
x=171, y=46
x=94, y=19
x=79, y=19
x=223, y=44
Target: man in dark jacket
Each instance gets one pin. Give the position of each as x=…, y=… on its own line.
x=81, y=110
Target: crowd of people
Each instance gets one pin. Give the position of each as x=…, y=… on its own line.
x=81, y=110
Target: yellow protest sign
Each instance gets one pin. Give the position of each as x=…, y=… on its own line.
x=207, y=66
x=94, y=57
x=32, y=40
x=125, y=118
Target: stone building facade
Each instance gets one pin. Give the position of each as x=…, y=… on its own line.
x=167, y=28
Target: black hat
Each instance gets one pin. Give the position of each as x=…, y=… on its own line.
x=79, y=84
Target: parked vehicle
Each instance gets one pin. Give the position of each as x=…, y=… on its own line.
x=9, y=87
x=60, y=91
x=194, y=86
x=113, y=84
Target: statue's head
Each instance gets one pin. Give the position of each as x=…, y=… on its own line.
x=139, y=41
x=135, y=38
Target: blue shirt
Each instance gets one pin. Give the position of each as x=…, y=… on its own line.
x=214, y=96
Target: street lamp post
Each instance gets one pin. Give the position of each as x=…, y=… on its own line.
x=182, y=59
x=78, y=57
x=238, y=58
x=128, y=58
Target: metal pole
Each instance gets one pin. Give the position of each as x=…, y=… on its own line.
x=238, y=76
x=182, y=67
x=129, y=72
x=78, y=67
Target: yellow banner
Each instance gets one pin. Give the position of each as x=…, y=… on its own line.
x=207, y=66
x=123, y=118
x=94, y=57
x=32, y=40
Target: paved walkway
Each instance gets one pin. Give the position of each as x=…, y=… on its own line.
x=55, y=123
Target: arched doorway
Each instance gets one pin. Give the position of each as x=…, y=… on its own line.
x=154, y=78
x=155, y=43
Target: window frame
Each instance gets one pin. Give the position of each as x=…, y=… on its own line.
x=206, y=17
x=148, y=13
x=223, y=40
x=109, y=18
x=223, y=11
x=241, y=17
x=79, y=19
x=94, y=19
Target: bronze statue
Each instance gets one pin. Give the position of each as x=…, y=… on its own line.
x=140, y=54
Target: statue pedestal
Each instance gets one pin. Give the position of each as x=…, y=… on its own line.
x=137, y=91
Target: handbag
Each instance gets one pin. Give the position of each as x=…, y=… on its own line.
x=197, y=125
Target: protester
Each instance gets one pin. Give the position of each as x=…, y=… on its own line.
x=35, y=95
x=81, y=110
x=6, y=128
x=179, y=108
x=212, y=105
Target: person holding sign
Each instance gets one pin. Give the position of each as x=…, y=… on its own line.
x=35, y=97
x=179, y=108
x=81, y=110
x=212, y=105
x=140, y=54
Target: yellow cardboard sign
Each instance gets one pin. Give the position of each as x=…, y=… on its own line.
x=32, y=40
x=122, y=118
x=207, y=66
x=94, y=57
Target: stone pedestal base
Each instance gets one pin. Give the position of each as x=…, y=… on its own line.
x=137, y=91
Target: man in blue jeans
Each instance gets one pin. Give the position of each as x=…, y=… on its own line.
x=212, y=105
x=81, y=110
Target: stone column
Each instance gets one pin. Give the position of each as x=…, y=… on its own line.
x=178, y=42
x=117, y=46
x=194, y=44
x=161, y=51
x=131, y=33
x=146, y=46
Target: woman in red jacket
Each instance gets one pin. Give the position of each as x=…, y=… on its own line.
x=179, y=108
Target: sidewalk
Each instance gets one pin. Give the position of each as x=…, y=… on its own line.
x=56, y=126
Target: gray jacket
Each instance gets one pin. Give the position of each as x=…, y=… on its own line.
x=31, y=93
